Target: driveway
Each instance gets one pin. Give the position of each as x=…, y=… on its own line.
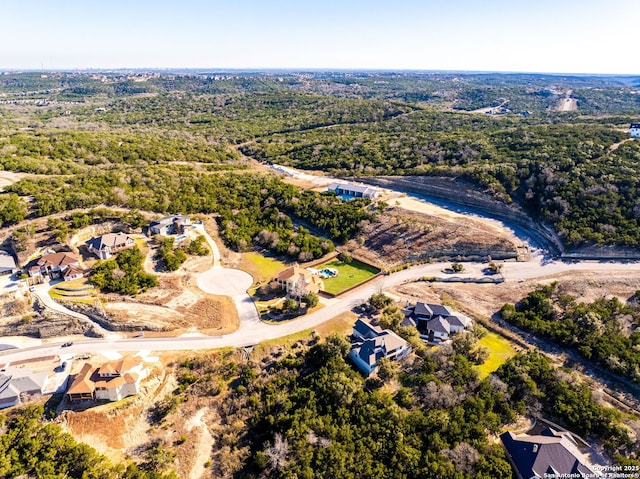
x=41, y=291
x=233, y=283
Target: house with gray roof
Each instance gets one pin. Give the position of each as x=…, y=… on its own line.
x=549, y=454
x=353, y=190
x=371, y=344
x=18, y=386
x=435, y=322
x=105, y=246
x=169, y=225
x=7, y=264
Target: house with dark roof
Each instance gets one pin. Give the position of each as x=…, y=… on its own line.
x=105, y=246
x=7, y=264
x=371, y=344
x=435, y=322
x=169, y=225
x=634, y=130
x=549, y=454
x=363, y=330
x=54, y=265
x=353, y=190
x=111, y=381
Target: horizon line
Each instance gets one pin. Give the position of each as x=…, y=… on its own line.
x=203, y=70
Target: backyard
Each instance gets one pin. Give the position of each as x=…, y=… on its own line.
x=349, y=275
x=500, y=349
x=262, y=268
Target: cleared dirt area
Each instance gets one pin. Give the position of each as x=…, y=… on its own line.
x=399, y=235
x=177, y=306
x=9, y=177
x=486, y=299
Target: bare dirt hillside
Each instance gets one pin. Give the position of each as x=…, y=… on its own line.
x=398, y=235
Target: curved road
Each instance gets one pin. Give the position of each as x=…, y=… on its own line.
x=251, y=332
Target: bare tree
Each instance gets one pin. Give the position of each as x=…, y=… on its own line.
x=278, y=452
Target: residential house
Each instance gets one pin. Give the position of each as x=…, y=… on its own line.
x=550, y=454
x=19, y=386
x=111, y=381
x=55, y=265
x=435, y=322
x=7, y=264
x=353, y=190
x=170, y=225
x=105, y=246
x=634, y=130
x=299, y=282
x=371, y=344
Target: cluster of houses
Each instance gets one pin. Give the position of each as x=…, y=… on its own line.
x=435, y=324
x=108, y=381
x=66, y=265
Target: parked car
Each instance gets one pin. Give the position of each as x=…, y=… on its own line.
x=67, y=344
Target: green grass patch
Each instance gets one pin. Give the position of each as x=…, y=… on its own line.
x=262, y=268
x=500, y=349
x=349, y=275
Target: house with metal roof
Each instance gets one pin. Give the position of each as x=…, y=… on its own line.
x=549, y=454
x=19, y=386
x=371, y=344
x=353, y=190
x=169, y=225
x=7, y=264
x=634, y=130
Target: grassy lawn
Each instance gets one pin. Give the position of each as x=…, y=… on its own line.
x=262, y=268
x=348, y=275
x=500, y=349
x=78, y=290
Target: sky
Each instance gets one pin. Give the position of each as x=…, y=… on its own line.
x=552, y=36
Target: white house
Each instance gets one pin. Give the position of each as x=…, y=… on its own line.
x=353, y=190
x=112, y=381
x=634, y=130
x=55, y=265
x=170, y=225
x=372, y=344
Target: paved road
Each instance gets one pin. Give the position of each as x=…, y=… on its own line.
x=252, y=332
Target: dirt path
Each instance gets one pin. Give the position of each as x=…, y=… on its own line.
x=205, y=443
x=567, y=103
x=9, y=177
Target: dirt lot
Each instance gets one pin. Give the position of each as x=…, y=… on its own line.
x=399, y=235
x=486, y=299
x=177, y=305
